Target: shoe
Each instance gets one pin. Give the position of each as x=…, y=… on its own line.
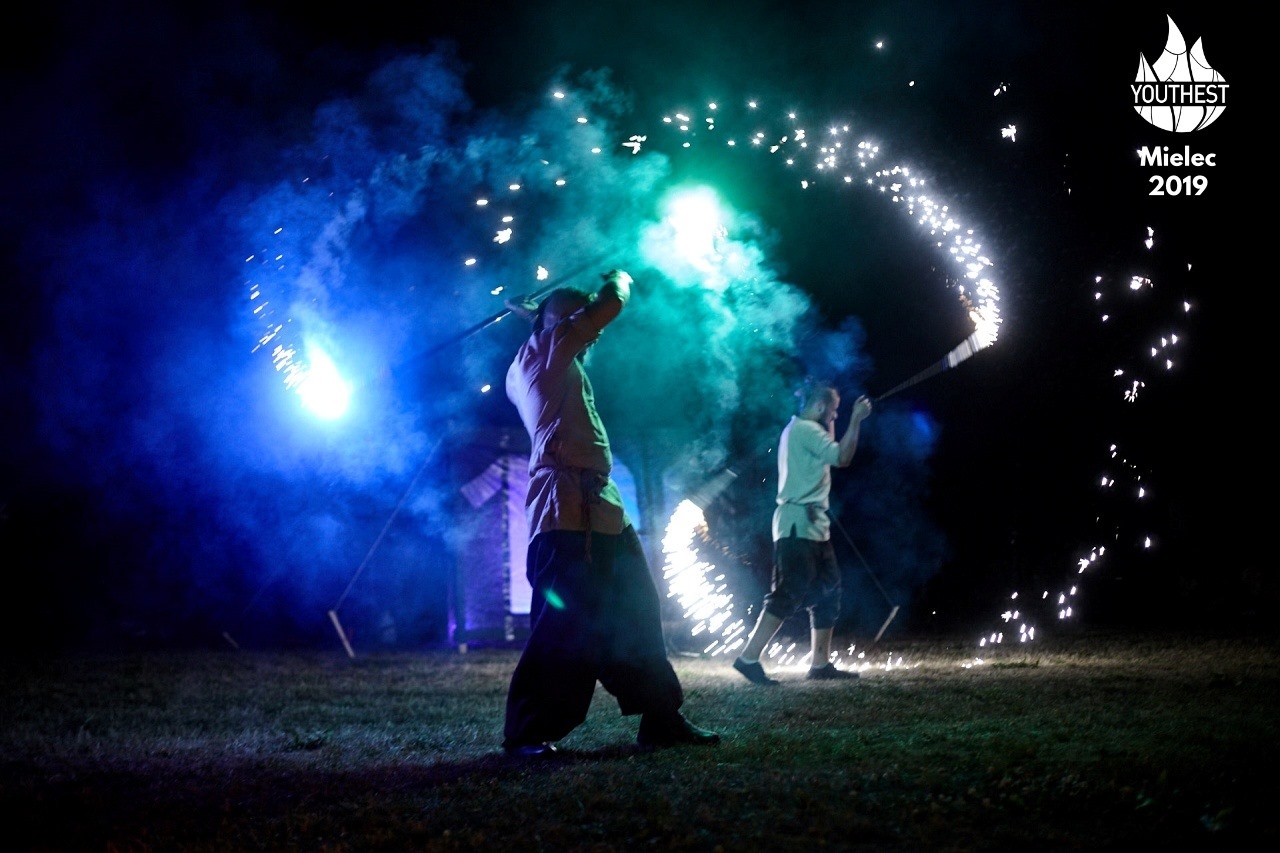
x=753, y=672
x=656, y=732
x=530, y=750
x=831, y=673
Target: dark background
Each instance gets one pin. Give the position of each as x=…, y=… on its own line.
x=134, y=514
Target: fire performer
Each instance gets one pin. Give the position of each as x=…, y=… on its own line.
x=595, y=614
x=805, y=572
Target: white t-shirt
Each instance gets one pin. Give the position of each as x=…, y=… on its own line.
x=806, y=453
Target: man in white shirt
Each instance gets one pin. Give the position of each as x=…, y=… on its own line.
x=805, y=572
x=595, y=613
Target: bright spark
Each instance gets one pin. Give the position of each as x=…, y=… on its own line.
x=1130, y=477
x=978, y=292
x=696, y=584
x=322, y=389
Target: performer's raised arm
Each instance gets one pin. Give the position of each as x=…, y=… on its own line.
x=612, y=296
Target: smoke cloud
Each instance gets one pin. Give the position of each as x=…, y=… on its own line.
x=183, y=317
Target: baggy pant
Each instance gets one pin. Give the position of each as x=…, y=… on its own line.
x=597, y=620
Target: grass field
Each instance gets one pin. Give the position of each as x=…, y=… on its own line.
x=1098, y=740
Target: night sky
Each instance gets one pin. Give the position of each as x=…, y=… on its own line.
x=187, y=189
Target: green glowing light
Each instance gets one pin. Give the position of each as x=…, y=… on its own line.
x=696, y=218
x=554, y=600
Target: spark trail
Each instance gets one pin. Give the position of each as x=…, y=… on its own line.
x=299, y=264
x=837, y=158
x=1125, y=306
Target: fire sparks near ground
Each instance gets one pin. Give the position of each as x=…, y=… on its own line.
x=698, y=587
x=1123, y=477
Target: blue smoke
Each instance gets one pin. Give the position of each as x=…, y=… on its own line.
x=163, y=396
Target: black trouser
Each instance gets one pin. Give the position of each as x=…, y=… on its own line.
x=591, y=621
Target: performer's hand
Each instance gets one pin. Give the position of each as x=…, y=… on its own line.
x=619, y=281
x=619, y=277
x=522, y=306
x=861, y=408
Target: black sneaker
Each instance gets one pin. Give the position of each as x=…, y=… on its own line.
x=753, y=672
x=530, y=750
x=657, y=732
x=831, y=673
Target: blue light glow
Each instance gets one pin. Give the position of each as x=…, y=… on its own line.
x=323, y=391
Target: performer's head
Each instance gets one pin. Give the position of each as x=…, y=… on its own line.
x=819, y=401
x=559, y=304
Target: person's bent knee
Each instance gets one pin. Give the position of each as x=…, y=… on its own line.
x=780, y=604
x=824, y=616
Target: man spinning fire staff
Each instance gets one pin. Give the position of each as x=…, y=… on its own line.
x=595, y=613
x=805, y=572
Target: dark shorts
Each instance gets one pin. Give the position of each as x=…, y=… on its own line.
x=805, y=576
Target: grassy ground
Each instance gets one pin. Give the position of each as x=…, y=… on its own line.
x=1093, y=741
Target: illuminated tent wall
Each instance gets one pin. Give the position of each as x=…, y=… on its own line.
x=491, y=595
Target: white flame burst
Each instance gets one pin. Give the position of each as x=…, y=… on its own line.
x=698, y=586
